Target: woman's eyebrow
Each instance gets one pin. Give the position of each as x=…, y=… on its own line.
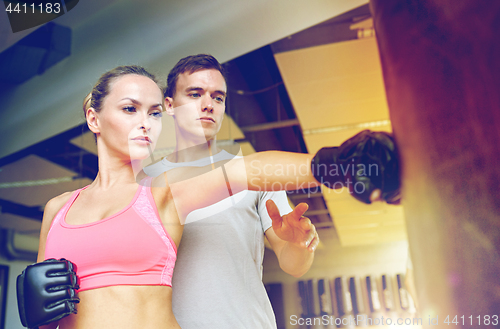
x=135, y=101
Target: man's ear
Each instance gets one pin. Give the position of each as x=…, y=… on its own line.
x=169, y=106
x=92, y=120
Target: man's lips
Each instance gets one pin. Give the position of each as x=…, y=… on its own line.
x=206, y=119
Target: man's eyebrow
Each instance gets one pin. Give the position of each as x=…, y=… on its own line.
x=188, y=89
x=223, y=93
x=194, y=89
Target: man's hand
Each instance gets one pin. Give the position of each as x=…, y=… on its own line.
x=294, y=227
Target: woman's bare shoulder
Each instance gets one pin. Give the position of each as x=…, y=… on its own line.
x=49, y=213
x=160, y=181
x=54, y=205
x=58, y=201
x=160, y=188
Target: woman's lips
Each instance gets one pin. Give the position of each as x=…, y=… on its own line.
x=145, y=140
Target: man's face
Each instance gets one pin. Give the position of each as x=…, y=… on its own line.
x=198, y=104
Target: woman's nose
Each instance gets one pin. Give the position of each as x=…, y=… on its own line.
x=145, y=124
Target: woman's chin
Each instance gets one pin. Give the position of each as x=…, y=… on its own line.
x=139, y=156
x=140, y=159
x=140, y=152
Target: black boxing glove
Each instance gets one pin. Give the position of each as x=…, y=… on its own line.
x=363, y=163
x=46, y=292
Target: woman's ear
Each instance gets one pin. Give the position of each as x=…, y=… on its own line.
x=169, y=107
x=92, y=120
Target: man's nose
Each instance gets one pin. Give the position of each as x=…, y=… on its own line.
x=207, y=105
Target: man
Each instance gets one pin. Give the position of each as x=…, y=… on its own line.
x=217, y=281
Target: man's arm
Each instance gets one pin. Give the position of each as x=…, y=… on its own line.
x=293, y=238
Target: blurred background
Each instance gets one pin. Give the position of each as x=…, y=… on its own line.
x=301, y=75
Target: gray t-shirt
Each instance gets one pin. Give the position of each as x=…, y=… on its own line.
x=217, y=280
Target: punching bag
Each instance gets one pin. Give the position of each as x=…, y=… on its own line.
x=441, y=68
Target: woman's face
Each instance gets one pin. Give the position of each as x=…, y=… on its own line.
x=130, y=120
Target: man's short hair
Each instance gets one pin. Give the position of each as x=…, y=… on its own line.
x=191, y=64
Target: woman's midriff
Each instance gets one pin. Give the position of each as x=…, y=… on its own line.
x=123, y=307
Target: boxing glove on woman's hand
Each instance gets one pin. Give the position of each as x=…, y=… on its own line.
x=364, y=163
x=46, y=292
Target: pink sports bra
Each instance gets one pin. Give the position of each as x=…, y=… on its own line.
x=130, y=247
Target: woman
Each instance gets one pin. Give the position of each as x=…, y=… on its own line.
x=124, y=267
x=125, y=109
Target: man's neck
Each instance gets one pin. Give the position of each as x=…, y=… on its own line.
x=187, y=152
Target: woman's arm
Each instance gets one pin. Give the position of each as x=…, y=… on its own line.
x=365, y=163
x=197, y=187
x=274, y=171
x=51, y=209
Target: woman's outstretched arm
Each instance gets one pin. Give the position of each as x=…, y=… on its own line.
x=275, y=171
x=366, y=164
x=197, y=187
